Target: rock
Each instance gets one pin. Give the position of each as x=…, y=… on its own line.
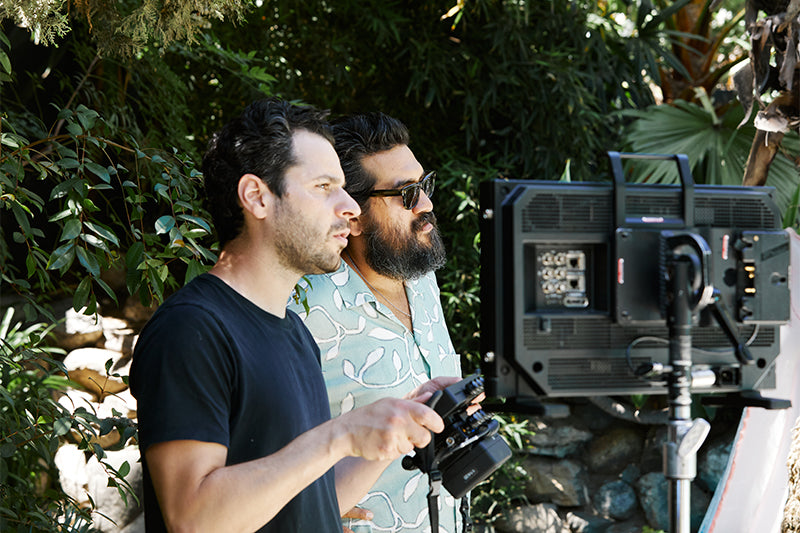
x=653, y=490
x=636, y=527
x=87, y=366
x=592, y=417
x=137, y=526
x=612, y=451
x=118, y=335
x=110, y=506
x=541, y=518
x=631, y=473
x=558, y=481
x=712, y=463
x=72, y=473
x=77, y=329
x=556, y=437
x=653, y=454
x=583, y=522
x=616, y=500
x=791, y=513
x=137, y=313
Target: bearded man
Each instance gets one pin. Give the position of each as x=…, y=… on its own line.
x=378, y=319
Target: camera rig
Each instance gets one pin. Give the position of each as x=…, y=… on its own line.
x=466, y=452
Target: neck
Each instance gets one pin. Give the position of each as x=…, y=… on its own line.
x=384, y=284
x=259, y=278
x=391, y=292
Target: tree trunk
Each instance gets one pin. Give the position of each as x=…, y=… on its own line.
x=762, y=152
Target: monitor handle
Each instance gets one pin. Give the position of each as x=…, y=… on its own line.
x=620, y=186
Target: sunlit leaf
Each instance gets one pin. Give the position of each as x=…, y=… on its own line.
x=164, y=224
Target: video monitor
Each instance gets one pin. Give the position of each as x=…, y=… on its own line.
x=573, y=283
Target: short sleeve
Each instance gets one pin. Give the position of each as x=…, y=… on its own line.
x=182, y=376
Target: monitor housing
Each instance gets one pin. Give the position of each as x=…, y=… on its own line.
x=573, y=292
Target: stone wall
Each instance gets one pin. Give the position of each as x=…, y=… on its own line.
x=592, y=472
x=589, y=472
x=98, y=359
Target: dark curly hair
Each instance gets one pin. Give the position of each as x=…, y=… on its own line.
x=259, y=141
x=361, y=135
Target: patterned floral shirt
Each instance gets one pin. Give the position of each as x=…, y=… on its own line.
x=368, y=354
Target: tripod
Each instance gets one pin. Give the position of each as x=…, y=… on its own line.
x=685, y=436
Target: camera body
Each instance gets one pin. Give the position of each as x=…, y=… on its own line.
x=469, y=449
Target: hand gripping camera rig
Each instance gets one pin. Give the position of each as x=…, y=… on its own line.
x=466, y=452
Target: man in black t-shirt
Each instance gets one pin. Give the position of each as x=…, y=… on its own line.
x=234, y=424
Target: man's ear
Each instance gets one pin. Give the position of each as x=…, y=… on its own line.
x=355, y=226
x=254, y=195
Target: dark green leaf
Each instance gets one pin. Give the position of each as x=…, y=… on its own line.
x=62, y=257
x=103, y=232
x=134, y=256
x=82, y=293
x=62, y=426
x=197, y=220
x=7, y=449
x=72, y=228
x=98, y=170
x=5, y=63
x=21, y=216
x=76, y=130
x=89, y=261
x=87, y=116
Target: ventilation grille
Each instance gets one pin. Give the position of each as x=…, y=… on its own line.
x=589, y=374
x=570, y=212
x=578, y=334
x=750, y=213
x=648, y=205
x=577, y=212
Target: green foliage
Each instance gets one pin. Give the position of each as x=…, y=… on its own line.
x=122, y=28
x=506, y=487
x=529, y=84
x=457, y=200
x=110, y=204
x=716, y=147
x=32, y=426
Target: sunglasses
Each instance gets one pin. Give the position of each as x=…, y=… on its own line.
x=410, y=193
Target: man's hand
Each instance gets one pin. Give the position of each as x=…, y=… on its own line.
x=426, y=390
x=356, y=513
x=389, y=428
x=423, y=393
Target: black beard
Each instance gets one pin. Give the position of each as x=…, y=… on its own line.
x=409, y=258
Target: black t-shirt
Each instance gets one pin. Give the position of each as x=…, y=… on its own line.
x=212, y=366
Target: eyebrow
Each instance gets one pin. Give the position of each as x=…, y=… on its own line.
x=403, y=183
x=331, y=179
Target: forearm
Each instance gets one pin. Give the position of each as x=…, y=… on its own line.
x=354, y=477
x=197, y=492
x=246, y=496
